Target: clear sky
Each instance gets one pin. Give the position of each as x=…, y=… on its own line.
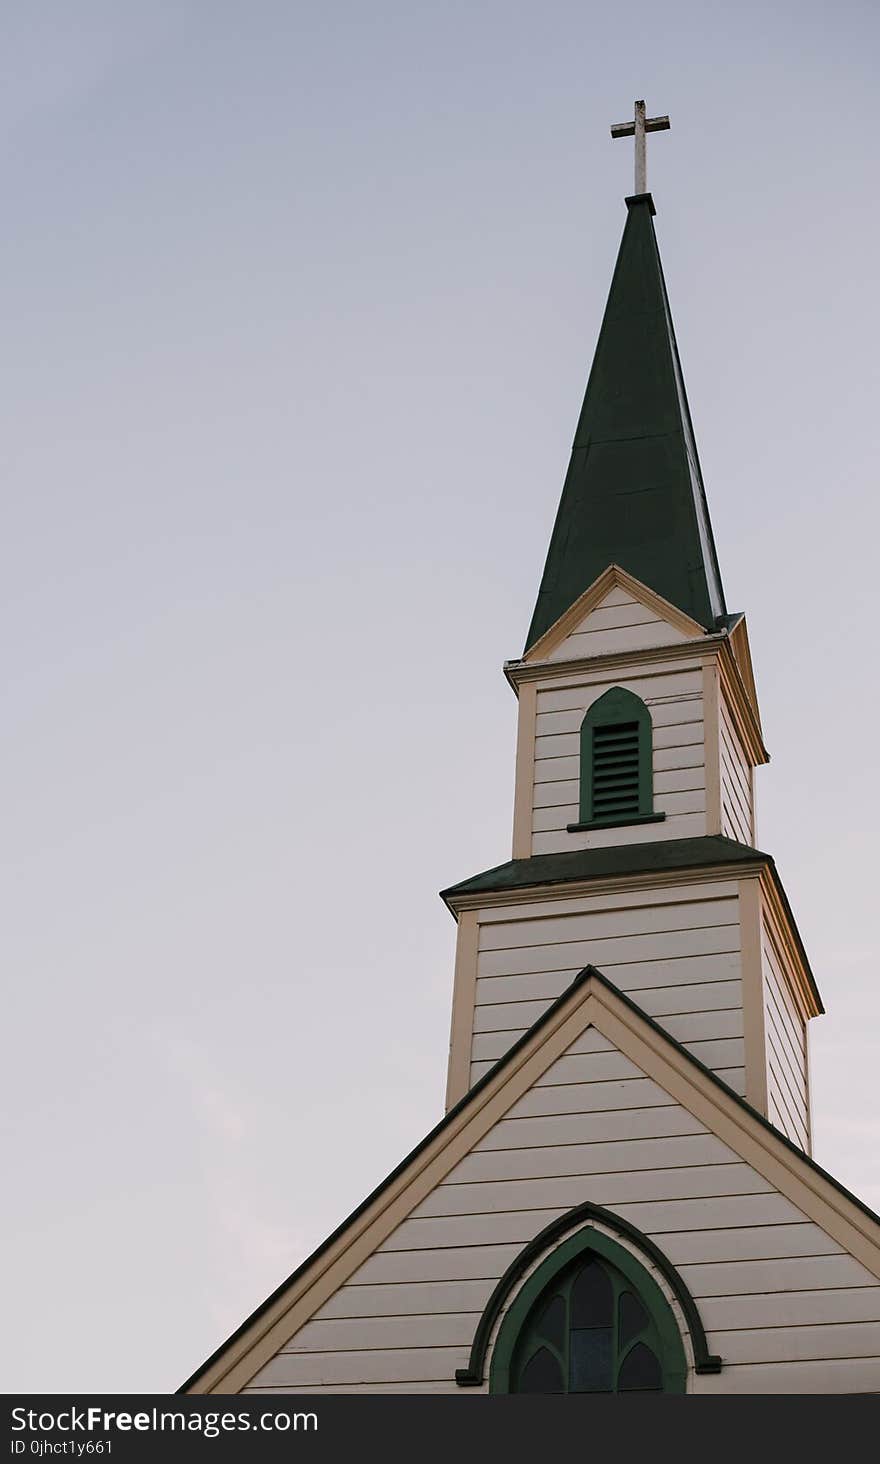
x=298, y=306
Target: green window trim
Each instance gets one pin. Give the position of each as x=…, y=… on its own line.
x=520, y=1340
x=558, y=1229
x=616, y=763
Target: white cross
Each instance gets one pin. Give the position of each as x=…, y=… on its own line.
x=637, y=129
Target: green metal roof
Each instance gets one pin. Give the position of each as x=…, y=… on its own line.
x=634, y=493
x=543, y=869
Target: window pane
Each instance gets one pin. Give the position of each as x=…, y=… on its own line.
x=640, y=1371
x=551, y=1324
x=541, y=1374
x=591, y=1297
x=590, y=1360
x=633, y=1318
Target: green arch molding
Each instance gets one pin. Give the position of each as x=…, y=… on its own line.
x=586, y=1238
x=615, y=706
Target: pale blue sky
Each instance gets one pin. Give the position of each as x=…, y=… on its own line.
x=299, y=302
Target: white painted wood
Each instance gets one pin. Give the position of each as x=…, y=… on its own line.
x=590, y=1098
x=556, y=794
x=322, y=1369
x=642, y=976
x=678, y=780
x=451, y=1231
x=802, y=1344
x=625, y=1156
x=616, y=640
x=795, y=1273
x=785, y=1035
x=557, y=770
x=857, y=1375
x=681, y=826
x=700, y=1004
x=615, y=950
x=749, y=1243
x=602, y=1126
x=583, y=902
x=539, y=928
x=791, y=1309
x=442, y=1329
x=615, y=1190
x=720, y=1220
x=463, y=1263
x=406, y=1298
x=659, y=685
x=558, y=817
x=677, y=721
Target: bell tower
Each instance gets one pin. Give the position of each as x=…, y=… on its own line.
x=634, y=841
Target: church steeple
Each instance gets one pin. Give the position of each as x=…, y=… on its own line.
x=634, y=494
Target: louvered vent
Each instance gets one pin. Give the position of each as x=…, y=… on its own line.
x=615, y=770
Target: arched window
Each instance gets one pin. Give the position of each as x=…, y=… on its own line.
x=617, y=785
x=589, y=1320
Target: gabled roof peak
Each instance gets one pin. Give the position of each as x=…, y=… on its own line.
x=634, y=495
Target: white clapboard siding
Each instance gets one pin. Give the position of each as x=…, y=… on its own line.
x=737, y=1223
x=830, y=1375
x=673, y=696
x=792, y=1309
x=366, y=1365
x=682, y=826
x=406, y=1298
x=779, y=1297
x=786, y=1043
x=642, y=1187
x=440, y=1329
x=616, y=626
x=675, y=951
x=737, y=796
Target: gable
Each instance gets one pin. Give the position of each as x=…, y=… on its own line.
x=594, y=1128
x=594, y=1104
x=617, y=614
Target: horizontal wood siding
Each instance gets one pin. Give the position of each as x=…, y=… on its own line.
x=783, y=1304
x=786, y=1041
x=676, y=951
x=737, y=803
x=618, y=624
x=674, y=698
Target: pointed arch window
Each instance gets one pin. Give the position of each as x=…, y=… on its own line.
x=616, y=774
x=590, y=1320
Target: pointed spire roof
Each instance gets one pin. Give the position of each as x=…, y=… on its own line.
x=634, y=495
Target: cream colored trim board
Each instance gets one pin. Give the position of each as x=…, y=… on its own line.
x=523, y=792
x=584, y=669
x=592, y=1001
x=463, y=1005
x=754, y=1034
x=780, y=927
x=611, y=578
x=739, y=644
x=712, y=745
x=741, y=706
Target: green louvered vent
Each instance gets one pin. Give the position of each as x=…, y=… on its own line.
x=615, y=770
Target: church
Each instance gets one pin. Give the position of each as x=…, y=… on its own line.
x=621, y=1196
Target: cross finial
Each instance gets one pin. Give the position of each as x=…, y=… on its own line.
x=637, y=128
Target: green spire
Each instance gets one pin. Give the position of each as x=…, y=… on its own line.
x=634, y=494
